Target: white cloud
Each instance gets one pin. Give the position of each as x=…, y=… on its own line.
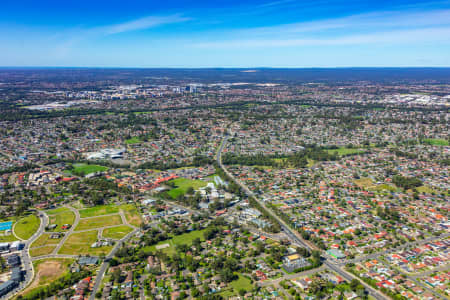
x=142, y=23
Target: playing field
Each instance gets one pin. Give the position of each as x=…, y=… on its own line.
x=116, y=233
x=182, y=185
x=98, y=222
x=346, y=151
x=80, y=243
x=436, y=142
x=27, y=226
x=133, y=140
x=84, y=169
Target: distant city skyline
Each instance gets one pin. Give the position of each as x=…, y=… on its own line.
x=241, y=34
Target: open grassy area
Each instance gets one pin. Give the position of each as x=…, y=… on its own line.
x=133, y=140
x=45, y=239
x=116, y=232
x=27, y=226
x=45, y=250
x=55, y=211
x=346, y=151
x=98, y=222
x=242, y=283
x=83, y=169
x=99, y=211
x=364, y=183
x=132, y=214
x=80, y=243
x=7, y=238
x=436, y=142
x=182, y=185
x=185, y=239
x=63, y=216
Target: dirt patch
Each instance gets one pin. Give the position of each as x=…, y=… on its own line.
x=46, y=272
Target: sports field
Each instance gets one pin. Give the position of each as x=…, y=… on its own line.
x=182, y=185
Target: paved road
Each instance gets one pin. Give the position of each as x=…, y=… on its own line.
x=105, y=264
x=291, y=276
x=26, y=258
x=70, y=231
x=293, y=235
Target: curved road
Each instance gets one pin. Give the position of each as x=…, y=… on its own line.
x=26, y=258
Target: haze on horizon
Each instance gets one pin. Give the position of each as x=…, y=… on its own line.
x=271, y=33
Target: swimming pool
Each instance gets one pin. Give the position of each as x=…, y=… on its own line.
x=5, y=225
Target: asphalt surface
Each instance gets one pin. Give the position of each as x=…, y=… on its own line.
x=26, y=258
x=294, y=236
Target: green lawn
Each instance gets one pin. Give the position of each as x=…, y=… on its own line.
x=133, y=140
x=242, y=283
x=80, y=243
x=42, y=250
x=56, y=210
x=185, y=239
x=61, y=217
x=116, y=232
x=98, y=222
x=84, y=169
x=27, y=226
x=44, y=240
x=436, y=142
x=99, y=211
x=182, y=185
x=345, y=151
x=7, y=238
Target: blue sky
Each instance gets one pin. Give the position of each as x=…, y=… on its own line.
x=272, y=33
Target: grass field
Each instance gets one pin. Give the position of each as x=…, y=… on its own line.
x=185, y=239
x=61, y=217
x=182, y=185
x=83, y=169
x=132, y=214
x=45, y=239
x=45, y=250
x=133, y=140
x=80, y=243
x=116, y=232
x=242, y=283
x=98, y=222
x=99, y=211
x=345, y=151
x=7, y=238
x=55, y=211
x=27, y=226
x=436, y=142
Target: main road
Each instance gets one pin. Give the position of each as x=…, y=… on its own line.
x=294, y=235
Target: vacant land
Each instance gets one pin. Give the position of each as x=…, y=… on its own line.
x=116, y=232
x=182, y=185
x=80, y=243
x=99, y=211
x=132, y=214
x=27, y=226
x=63, y=216
x=436, y=142
x=47, y=271
x=44, y=250
x=98, y=222
x=45, y=240
x=242, y=283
